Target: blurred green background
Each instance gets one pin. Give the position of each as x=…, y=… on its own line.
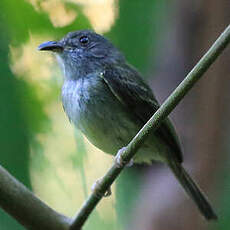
x=163, y=39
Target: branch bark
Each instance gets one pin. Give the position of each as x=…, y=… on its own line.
x=26, y=208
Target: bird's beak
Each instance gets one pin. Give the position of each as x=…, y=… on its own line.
x=51, y=46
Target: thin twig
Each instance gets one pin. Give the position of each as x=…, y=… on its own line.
x=152, y=125
x=26, y=208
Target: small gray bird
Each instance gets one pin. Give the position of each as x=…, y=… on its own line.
x=107, y=99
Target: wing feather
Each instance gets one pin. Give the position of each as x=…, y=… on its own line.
x=130, y=89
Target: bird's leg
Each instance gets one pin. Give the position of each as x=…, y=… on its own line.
x=119, y=161
x=96, y=187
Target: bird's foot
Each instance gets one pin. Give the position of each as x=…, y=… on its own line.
x=96, y=189
x=119, y=161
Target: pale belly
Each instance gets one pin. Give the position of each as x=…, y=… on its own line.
x=104, y=120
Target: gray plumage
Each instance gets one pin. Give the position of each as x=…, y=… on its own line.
x=109, y=102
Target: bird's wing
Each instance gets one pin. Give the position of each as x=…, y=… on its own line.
x=130, y=89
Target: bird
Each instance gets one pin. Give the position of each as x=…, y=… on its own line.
x=108, y=100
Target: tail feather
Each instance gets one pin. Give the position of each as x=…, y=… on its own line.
x=193, y=190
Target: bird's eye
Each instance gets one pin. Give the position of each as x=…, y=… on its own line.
x=68, y=48
x=84, y=40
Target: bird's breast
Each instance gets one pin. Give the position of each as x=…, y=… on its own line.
x=93, y=109
x=84, y=100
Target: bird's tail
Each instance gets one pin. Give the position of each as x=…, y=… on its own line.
x=193, y=190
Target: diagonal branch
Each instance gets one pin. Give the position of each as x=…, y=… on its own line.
x=154, y=122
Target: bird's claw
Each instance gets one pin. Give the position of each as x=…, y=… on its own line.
x=119, y=161
x=96, y=187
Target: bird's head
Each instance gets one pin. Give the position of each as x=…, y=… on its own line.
x=83, y=51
